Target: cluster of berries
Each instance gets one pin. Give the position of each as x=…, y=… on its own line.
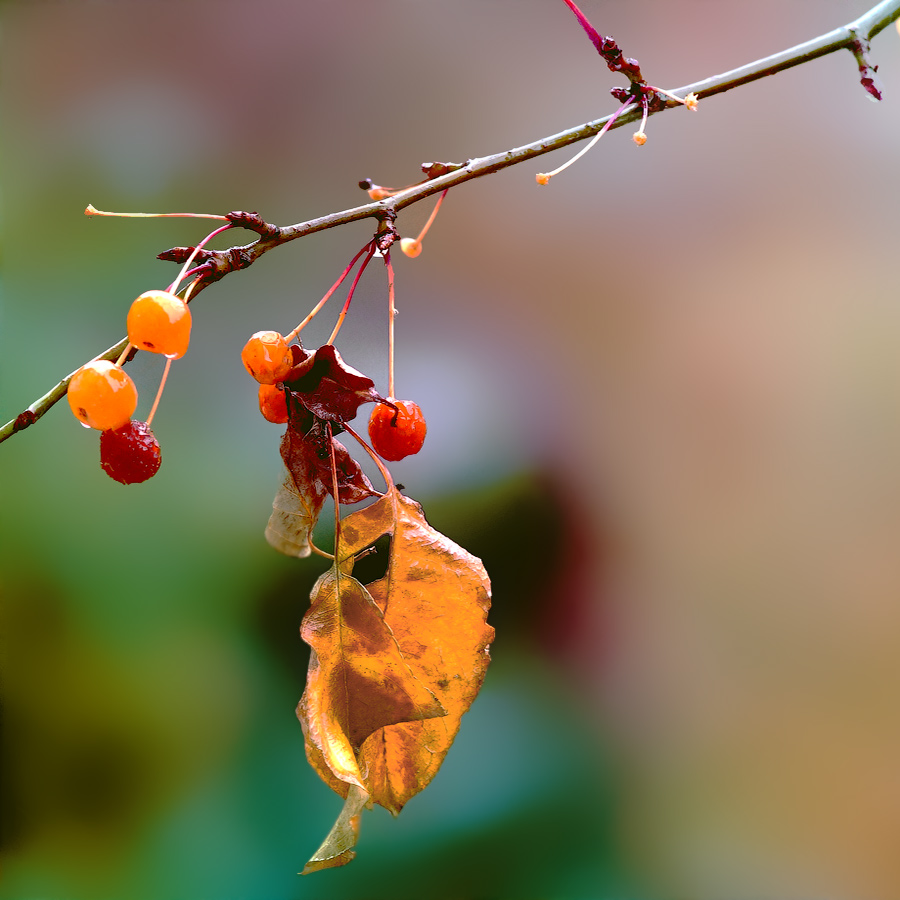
x=396, y=427
x=103, y=396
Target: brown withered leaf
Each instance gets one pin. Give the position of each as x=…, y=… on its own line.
x=358, y=681
x=328, y=387
x=433, y=601
x=435, y=596
x=306, y=453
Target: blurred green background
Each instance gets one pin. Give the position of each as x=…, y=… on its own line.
x=663, y=397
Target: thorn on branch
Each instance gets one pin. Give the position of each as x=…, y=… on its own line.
x=867, y=77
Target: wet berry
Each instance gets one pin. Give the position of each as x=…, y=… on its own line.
x=267, y=357
x=130, y=454
x=397, y=433
x=273, y=403
x=101, y=395
x=161, y=323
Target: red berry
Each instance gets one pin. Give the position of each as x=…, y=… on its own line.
x=101, y=395
x=273, y=403
x=130, y=454
x=267, y=357
x=161, y=323
x=396, y=433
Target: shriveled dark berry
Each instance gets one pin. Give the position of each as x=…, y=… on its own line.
x=130, y=454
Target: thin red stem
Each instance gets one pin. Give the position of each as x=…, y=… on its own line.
x=385, y=474
x=589, y=29
x=162, y=384
x=332, y=289
x=346, y=306
x=431, y=218
x=391, y=313
x=335, y=490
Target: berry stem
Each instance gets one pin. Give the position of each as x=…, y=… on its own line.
x=385, y=474
x=391, y=313
x=669, y=94
x=337, y=505
x=190, y=287
x=589, y=29
x=432, y=217
x=91, y=210
x=162, y=384
x=314, y=311
x=343, y=314
x=544, y=177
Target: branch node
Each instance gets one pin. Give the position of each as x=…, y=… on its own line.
x=237, y=258
x=252, y=221
x=437, y=169
x=387, y=231
x=23, y=420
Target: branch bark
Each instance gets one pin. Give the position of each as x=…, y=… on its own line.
x=853, y=37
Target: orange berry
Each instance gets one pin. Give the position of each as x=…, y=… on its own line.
x=102, y=396
x=161, y=323
x=267, y=357
x=411, y=247
x=397, y=433
x=273, y=403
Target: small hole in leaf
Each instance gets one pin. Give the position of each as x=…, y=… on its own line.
x=371, y=563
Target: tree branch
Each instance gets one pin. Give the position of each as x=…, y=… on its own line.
x=853, y=37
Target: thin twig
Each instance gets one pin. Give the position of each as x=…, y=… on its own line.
x=220, y=263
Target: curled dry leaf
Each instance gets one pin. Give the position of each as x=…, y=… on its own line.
x=337, y=848
x=387, y=689
x=294, y=515
x=330, y=389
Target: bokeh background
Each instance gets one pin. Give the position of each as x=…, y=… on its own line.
x=663, y=397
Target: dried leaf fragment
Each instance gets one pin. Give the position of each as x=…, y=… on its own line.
x=294, y=515
x=337, y=848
